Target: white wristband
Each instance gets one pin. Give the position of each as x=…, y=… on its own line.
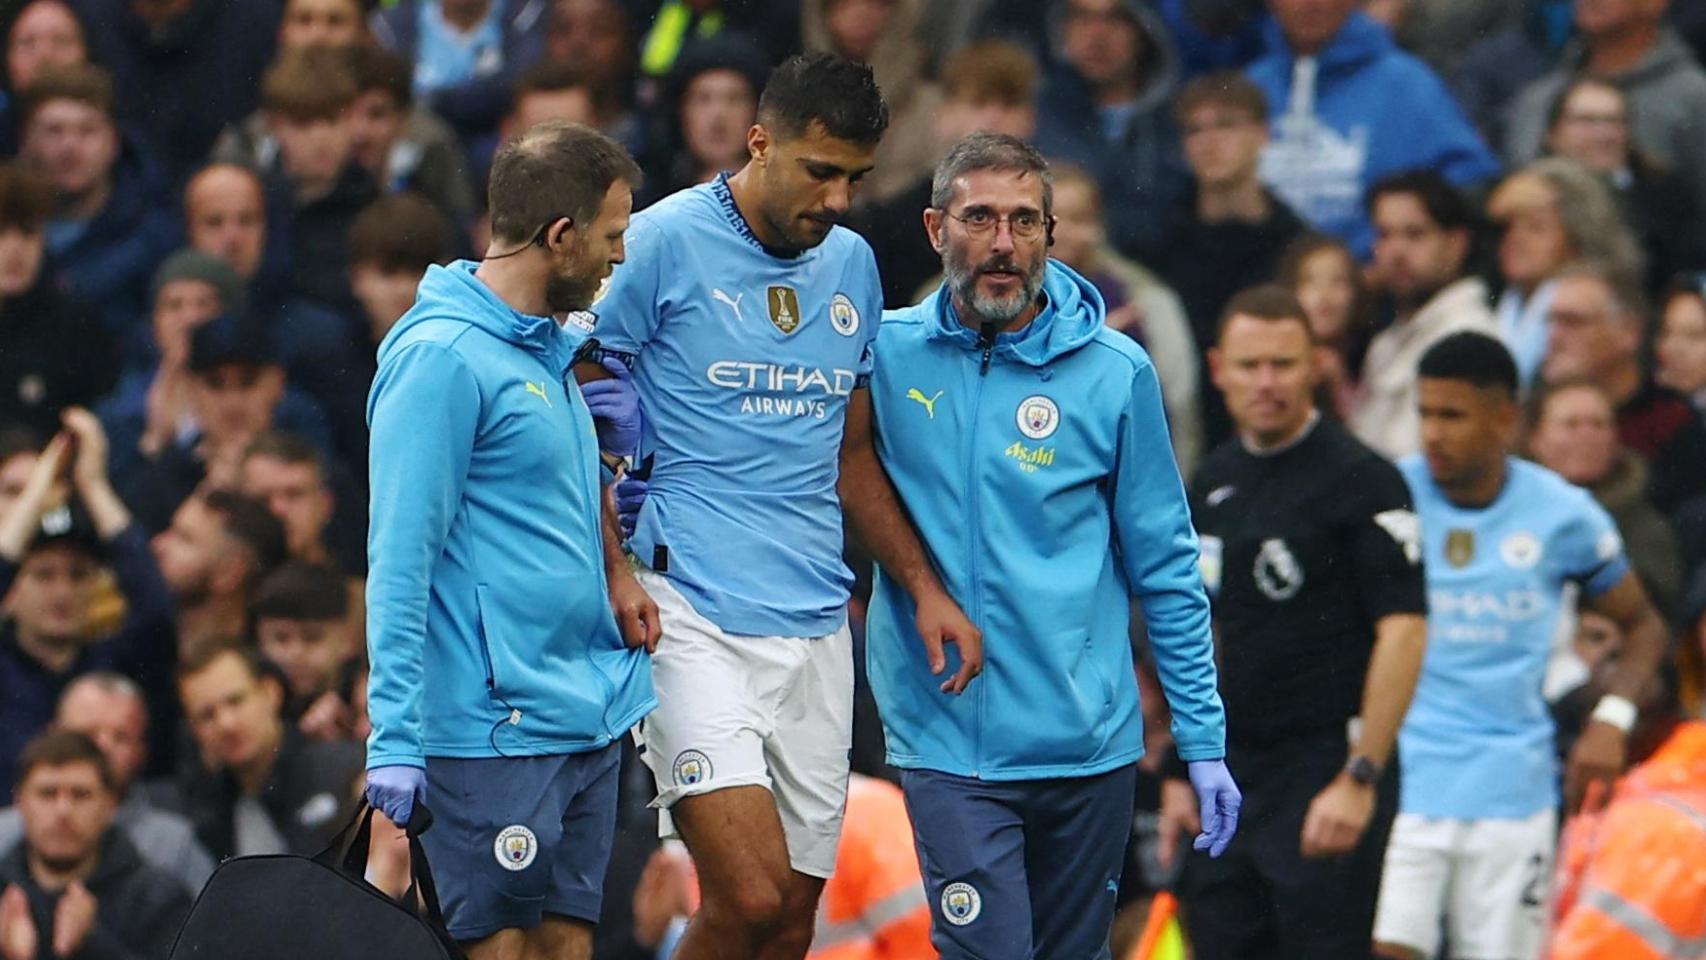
x=1616, y=711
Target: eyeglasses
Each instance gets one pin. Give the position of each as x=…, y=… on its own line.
x=1025, y=225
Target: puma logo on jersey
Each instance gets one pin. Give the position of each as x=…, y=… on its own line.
x=733, y=303
x=929, y=402
x=539, y=392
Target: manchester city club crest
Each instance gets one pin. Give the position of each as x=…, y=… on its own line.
x=1521, y=550
x=1459, y=547
x=961, y=903
x=1038, y=417
x=843, y=316
x=691, y=767
x=516, y=847
x=784, y=306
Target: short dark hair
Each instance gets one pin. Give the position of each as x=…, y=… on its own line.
x=555, y=76
x=82, y=82
x=823, y=88
x=308, y=84
x=287, y=448
x=1475, y=358
x=373, y=67
x=58, y=747
x=1268, y=301
x=985, y=150
x=557, y=169
x=26, y=198
x=250, y=523
x=1228, y=89
x=301, y=591
x=1444, y=203
x=203, y=655
x=400, y=233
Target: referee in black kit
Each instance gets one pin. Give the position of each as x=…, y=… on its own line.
x=1311, y=554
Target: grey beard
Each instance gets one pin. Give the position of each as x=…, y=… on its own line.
x=1001, y=310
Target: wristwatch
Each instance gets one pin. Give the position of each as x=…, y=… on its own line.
x=1363, y=770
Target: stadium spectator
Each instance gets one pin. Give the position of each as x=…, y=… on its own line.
x=1550, y=214
x=1330, y=286
x=1589, y=124
x=1139, y=305
x=217, y=549
x=1573, y=432
x=234, y=389
x=322, y=23
x=1347, y=108
x=1106, y=107
x=1423, y=230
x=884, y=34
x=550, y=91
x=597, y=38
x=302, y=627
x=1496, y=68
x=108, y=230
x=225, y=216
x=1596, y=332
x=1227, y=231
x=48, y=560
x=265, y=789
x=401, y=144
x=76, y=886
x=1627, y=43
x=306, y=96
x=1680, y=350
x=990, y=85
x=45, y=33
x=466, y=53
x=182, y=68
x=55, y=353
x=290, y=475
x=712, y=102
x=110, y=709
x=390, y=247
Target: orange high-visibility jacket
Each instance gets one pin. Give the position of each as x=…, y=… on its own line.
x=873, y=908
x=1632, y=878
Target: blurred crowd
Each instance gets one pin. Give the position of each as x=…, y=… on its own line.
x=212, y=211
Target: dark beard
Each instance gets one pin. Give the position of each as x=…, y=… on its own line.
x=567, y=293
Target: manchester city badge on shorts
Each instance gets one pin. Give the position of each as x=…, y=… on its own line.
x=961, y=904
x=691, y=767
x=516, y=847
x=1038, y=417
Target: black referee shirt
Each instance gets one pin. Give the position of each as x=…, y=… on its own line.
x=1303, y=550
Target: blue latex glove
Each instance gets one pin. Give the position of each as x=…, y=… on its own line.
x=394, y=790
x=615, y=408
x=630, y=494
x=1219, y=800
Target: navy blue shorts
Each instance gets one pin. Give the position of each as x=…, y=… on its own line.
x=1021, y=869
x=514, y=838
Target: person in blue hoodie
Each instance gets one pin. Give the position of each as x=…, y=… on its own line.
x=1347, y=108
x=1028, y=443
x=500, y=681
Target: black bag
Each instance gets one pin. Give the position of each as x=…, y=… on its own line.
x=319, y=908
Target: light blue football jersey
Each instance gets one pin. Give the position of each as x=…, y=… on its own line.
x=744, y=361
x=1478, y=740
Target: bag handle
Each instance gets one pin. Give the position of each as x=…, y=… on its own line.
x=353, y=863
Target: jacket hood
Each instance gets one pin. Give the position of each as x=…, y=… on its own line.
x=1071, y=318
x=453, y=293
x=1359, y=41
x=1162, y=69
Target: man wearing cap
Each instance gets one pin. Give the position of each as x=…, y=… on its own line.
x=50, y=546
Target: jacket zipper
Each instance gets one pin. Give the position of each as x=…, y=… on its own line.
x=986, y=343
x=596, y=508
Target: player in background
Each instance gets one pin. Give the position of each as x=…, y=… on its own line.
x=1503, y=540
x=747, y=314
x=1310, y=556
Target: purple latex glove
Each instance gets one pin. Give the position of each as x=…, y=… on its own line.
x=630, y=494
x=615, y=408
x=1219, y=800
x=394, y=789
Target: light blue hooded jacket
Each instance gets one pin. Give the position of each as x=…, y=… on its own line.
x=1038, y=470
x=489, y=625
